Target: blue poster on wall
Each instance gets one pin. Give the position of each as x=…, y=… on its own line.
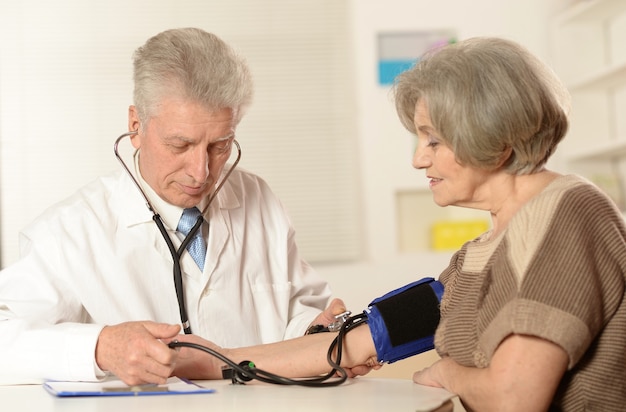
x=398, y=51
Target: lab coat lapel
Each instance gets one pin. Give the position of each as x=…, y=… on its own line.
x=218, y=235
x=130, y=203
x=219, y=231
x=133, y=211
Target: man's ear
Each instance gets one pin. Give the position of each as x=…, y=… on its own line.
x=133, y=126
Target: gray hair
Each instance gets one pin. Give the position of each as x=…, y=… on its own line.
x=492, y=102
x=191, y=64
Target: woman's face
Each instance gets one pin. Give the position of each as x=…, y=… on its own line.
x=450, y=182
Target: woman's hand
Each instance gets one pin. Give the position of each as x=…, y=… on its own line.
x=430, y=376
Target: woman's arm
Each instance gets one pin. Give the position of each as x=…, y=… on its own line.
x=524, y=374
x=295, y=358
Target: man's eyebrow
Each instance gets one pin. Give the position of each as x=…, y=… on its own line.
x=176, y=137
x=221, y=139
x=187, y=139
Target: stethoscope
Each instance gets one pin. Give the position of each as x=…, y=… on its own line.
x=176, y=254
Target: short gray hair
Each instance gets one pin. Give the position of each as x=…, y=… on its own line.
x=490, y=100
x=191, y=64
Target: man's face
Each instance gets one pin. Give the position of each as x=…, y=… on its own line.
x=183, y=149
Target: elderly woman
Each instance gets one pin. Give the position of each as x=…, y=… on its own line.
x=533, y=315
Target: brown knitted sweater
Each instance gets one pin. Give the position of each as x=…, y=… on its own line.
x=557, y=272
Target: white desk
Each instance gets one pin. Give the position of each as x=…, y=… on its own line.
x=361, y=394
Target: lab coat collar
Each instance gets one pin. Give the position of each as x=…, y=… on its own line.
x=130, y=203
x=170, y=214
x=134, y=211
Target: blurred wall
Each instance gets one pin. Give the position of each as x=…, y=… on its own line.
x=383, y=148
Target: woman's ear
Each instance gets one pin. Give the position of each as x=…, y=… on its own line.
x=505, y=157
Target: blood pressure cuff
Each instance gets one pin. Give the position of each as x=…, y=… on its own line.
x=403, y=321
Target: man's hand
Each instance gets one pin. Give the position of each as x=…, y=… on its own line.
x=135, y=352
x=327, y=317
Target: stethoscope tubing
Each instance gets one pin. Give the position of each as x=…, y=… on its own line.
x=176, y=253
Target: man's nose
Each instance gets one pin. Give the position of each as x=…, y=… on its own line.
x=198, y=164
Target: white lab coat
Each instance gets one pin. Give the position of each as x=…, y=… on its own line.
x=98, y=259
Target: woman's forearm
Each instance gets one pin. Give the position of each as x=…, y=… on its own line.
x=307, y=355
x=523, y=375
x=294, y=358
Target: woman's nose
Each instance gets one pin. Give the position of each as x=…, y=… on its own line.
x=420, y=159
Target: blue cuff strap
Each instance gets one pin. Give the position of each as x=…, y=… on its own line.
x=403, y=321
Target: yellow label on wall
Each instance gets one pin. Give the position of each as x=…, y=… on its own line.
x=452, y=234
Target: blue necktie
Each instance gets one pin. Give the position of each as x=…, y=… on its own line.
x=197, y=246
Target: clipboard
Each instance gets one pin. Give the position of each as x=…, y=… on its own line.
x=115, y=387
